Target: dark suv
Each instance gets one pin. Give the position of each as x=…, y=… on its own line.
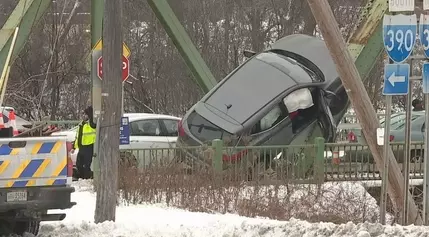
x=284, y=95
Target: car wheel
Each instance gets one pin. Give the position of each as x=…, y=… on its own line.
x=417, y=156
x=127, y=160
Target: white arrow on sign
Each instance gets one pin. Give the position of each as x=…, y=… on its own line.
x=394, y=79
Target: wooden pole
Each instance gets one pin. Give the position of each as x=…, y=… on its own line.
x=361, y=103
x=111, y=85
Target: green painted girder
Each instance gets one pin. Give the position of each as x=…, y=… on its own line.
x=366, y=42
x=192, y=57
x=25, y=15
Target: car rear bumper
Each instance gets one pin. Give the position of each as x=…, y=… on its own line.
x=38, y=198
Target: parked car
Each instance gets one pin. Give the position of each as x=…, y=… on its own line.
x=396, y=137
x=287, y=94
x=146, y=131
x=397, y=122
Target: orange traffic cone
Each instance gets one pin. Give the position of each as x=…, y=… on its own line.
x=12, y=120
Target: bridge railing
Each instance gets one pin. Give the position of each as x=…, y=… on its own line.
x=285, y=164
x=354, y=161
x=311, y=163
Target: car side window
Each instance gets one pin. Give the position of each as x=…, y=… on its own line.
x=171, y=127
x=272, y=118
x=149, y=127
x=339, y=102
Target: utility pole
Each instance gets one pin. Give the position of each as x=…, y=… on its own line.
x=361, y=103
x=111, y=85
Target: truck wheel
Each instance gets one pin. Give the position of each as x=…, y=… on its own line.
x=31, y=226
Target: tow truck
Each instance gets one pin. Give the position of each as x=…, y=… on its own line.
x=35, y=177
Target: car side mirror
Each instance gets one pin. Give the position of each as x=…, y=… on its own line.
x=248, y=53
x=423, y=128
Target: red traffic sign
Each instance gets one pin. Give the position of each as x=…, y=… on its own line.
x=125, y=68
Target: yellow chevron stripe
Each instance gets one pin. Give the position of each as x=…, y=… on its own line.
x=15, y=151
x=57, y=171
x=18, y=172
x=36, y=148
x=4, y=166
x=39, y=172
x=56, y=147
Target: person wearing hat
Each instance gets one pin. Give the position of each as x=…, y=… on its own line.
x=85, y=139
x=418, y=105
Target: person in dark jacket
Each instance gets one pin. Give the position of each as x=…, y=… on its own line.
x=84, y=141
x=418, y=105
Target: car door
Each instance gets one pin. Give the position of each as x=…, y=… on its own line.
x=169, y=131
x=146, y=133
x=147, y=142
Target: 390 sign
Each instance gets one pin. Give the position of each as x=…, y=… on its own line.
x=424, y=33
x=399, y=36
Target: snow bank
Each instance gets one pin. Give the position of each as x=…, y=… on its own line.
x=159, y=220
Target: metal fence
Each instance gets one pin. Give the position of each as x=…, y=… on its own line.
x=311, y=163
x=352, y=161
x=292, y=164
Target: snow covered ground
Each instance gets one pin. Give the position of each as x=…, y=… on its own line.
x=161, y=221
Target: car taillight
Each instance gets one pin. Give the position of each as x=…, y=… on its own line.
x=391, y=138
x=180, y=129
x=234, y=157
x=351, y=137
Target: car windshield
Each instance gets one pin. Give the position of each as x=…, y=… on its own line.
x=401, y=123
x=256, y=83
x=204, y=130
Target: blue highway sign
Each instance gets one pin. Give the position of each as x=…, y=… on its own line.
x=425, y=78
x=396, y=77
x=399, y=36
x=124, y=132
x=424, y=33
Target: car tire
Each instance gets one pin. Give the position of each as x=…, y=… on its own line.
x=127, y=160
x=417, y=156
x=31, y=226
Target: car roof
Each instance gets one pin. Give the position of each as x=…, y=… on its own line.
x=137, y=116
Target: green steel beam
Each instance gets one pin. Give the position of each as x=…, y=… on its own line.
x=184, y=44
x=25, y=15
x=366, y=43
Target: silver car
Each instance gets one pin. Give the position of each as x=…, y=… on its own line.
x=284, y=95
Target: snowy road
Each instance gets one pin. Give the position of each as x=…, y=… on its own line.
x=161, y=221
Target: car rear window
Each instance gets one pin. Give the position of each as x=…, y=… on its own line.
x=253, y=85
x=204, y=130
x=400, y=124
